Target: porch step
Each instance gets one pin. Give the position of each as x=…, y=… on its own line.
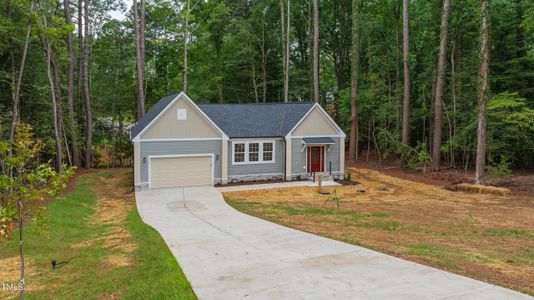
x=326, y=180
x=324, y=177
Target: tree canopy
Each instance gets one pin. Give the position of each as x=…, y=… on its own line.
x=236, y=55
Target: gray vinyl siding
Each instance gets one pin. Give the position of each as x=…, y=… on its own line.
x=333, y=156
x=298, y=156
x=240, y=171
x=180, y=148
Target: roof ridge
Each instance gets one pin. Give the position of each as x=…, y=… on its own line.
x=263, y=103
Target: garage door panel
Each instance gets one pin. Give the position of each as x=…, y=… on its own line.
x=180, y=171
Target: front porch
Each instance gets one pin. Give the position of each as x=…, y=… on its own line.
x=317, y=166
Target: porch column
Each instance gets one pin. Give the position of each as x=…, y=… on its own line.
x=137, y=163
x=288, y=158
x=342, y=157
x=224, y=161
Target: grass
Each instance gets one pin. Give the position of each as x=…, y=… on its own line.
x=115, y=257
x=486, y=237
x=508, y=233
x=347, y=217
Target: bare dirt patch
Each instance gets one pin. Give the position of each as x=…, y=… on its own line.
x=10, y=271
x=487, y=237
x=114, y=202
x=118, y=260
x=521, y=183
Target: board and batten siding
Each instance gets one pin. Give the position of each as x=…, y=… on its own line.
x=298, y=157
x=260, y=170
x=167, y=126
x=181, y=148
x=315, y=124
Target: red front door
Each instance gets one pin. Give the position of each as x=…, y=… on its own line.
x=315, y=159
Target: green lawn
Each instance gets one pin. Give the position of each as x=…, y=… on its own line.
x=145, y=269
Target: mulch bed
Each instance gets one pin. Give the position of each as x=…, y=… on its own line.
x=255, y=182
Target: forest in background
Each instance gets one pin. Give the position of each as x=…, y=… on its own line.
x=81, y=78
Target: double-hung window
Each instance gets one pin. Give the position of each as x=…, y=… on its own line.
x=253, y=152
x=239, y=153
x=268, y=151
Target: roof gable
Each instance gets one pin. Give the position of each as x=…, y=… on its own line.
x=315, y=123
x=152, y=113
x=167, y=125
x=159, y=109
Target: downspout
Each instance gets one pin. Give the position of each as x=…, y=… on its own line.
x=285, y=159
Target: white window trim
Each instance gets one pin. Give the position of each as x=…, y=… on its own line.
x=245, y=150
x=323, y=148
x=260, y=153
x=179, y=112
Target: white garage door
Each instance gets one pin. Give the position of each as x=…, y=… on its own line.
x=180, y=171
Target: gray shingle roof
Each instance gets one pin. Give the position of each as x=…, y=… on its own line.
x=319, y=140
x=258, y=119
x=240, y=120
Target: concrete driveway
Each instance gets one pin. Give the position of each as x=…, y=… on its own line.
x=229, y=255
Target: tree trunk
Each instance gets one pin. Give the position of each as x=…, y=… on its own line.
x=70, y=89
x=138, y=60
x=254, y=80
x=406, y=64
x=284, y=44
x=438, y=101
x=55, y=105
x=142, y=47
x=18, y=83
x=121, y=130
x=58, y=111
x=431, y=116
x=484, y=88
x=398, y=104
x=309, y=36
x=286, y=63
x=453, y=86
x=186, y=44
x=263, y=59
x=85, y=83
x=113, y=133
x=316, y=95
x=376, y=143
x=368, y=139
x=21, y=248
x=353, y=146
x=252, y=56
x=80, y=49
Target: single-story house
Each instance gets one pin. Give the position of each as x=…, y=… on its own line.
x=180, y=143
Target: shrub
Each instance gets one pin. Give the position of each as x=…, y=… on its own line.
x=500, y=169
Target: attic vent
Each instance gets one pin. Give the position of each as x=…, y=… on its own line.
x=181, y=114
